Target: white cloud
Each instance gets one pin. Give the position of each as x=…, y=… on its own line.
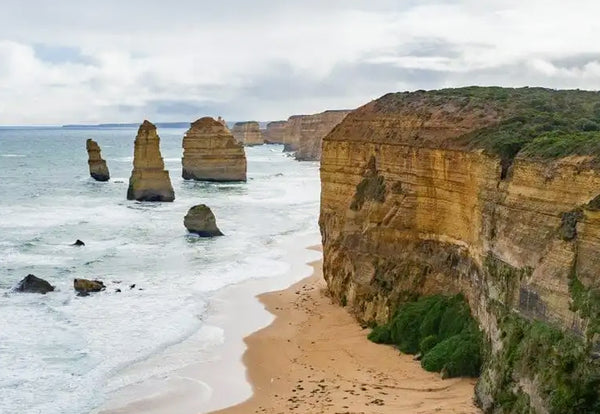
x=236, y=58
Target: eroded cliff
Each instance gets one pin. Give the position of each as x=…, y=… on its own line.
x=248, y=133
x=98, y=168
x=488, y=192
x=274, y=132
x=303, y=134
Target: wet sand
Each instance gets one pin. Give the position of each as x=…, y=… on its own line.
x=315, y=358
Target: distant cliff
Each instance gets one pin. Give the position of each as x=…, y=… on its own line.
x=491, y=192
x=248, y=133
x=303, y=134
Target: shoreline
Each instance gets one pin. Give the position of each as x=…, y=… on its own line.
x=315, y=358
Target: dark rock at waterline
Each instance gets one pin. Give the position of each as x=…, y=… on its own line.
x=117, y=290
x=87, y=286
x=78, y=243
x=200, y=220
x=132, y=286
x=33, y=284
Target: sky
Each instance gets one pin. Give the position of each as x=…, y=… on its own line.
x=127, y=60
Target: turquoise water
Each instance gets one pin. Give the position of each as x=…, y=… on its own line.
x=58, y=351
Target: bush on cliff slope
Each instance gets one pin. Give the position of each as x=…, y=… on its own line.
x=441, y=329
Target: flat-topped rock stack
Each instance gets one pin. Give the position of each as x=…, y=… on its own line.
x=149, y=180
x=98, y=168
x=275, y=132
x=248, y=133
x=211, y=153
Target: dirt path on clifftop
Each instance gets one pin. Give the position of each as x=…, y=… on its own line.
x=315, y=358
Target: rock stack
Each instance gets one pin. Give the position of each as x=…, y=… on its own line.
x=98, y=168
x=210, y=153
x=248, y=133
x=149, y=180
x=275, y=131
x=200, y=220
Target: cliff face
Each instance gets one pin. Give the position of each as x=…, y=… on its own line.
x=274, y=132
x=303, y=134
x=416, y=200
x=98, y=169
x=211, y=153
x=149, y=180
x=248, y=133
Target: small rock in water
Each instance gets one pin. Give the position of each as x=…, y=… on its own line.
x=33, y=284
x=83, y=294
x=117, y=290
x=86, y=286
x=78, y=243
x=132, y=286
x=200, y=220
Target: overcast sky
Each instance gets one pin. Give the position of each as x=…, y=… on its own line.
x=125, y=60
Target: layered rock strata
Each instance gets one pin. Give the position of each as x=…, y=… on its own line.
x=275, y=132
x=438, y=192
x=303, y=134
x=248, y=133
x=98, y=169
x=149, y=180
x=210, y=153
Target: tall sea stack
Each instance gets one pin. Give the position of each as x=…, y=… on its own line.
x=149, y=180
x=210, y=153
x=274, y=132
x=98, y=168
x=248, y=133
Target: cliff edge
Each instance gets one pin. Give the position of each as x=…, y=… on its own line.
x=489, y=192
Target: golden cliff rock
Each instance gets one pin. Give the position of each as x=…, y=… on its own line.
x=274, y=132
x=149, y=180
x=489, y=192
x=211, y=153
x=248, y=133
x=98, y=168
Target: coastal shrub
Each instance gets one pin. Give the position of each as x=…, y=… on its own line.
x=441, y=329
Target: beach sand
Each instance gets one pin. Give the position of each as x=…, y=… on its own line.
x=315, y=358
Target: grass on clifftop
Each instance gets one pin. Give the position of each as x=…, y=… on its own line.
x=441, y=329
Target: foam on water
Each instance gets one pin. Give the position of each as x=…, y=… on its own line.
x=62, y=354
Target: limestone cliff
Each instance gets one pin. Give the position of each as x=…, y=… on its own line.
x=248, y=133
x=211, y=153
x=98, y=168
x=149, y=180
x=303, y=134
x=486, y=191
x=274, y=132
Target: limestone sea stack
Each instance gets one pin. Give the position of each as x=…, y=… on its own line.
x=248, y=133
x=149, y=180
x=304, y=134
x=200, y=220
x=210, y=153
x=98, y=168
x=274, y=132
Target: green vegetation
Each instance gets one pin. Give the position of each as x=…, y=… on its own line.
x=371, y=187
x=586, y=301
x=441, y=329
x=558, y=362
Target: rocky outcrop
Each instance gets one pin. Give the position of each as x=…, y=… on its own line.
x=85, y=286
x=200, y=220
x=149, y=180
x=222, y=122
x=98, y=168
x=248, y=133
x=466, y=191
x=304, y=134
x=78, y=243
x=33, y=284
x=275, y=132
x=210, y=153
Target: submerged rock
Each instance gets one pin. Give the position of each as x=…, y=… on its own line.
x=85, y=286
x=78, y=243
x=98, y=168
x=210, y=153
x=149, y=180
x=200, y=220
x=33, y=284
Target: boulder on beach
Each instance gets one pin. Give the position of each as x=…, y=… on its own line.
x=210, y=153
x=200, y=220
x=78, y=243
x=149, y=180
x=86, y=286
x=33, y=284
x=98, y=168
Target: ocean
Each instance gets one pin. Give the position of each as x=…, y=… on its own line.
x=60, y=353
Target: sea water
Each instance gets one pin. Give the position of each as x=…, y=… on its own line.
x=59, y=352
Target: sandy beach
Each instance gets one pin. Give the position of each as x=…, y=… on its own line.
x=315, y=358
